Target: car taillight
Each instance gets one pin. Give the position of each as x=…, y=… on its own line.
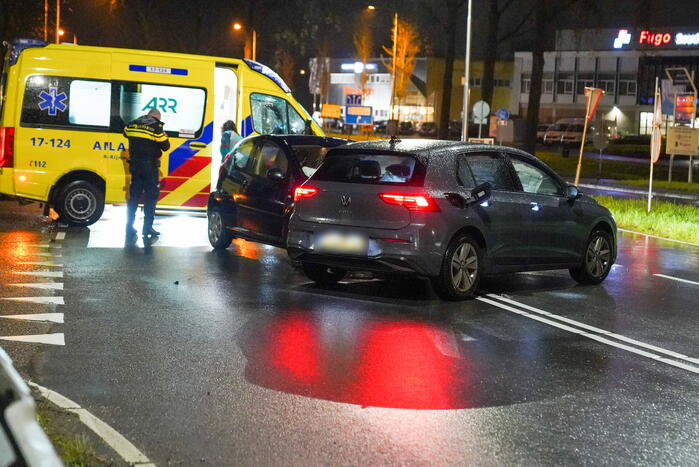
x=303, y=192
x=413, y=202
x=7, y=144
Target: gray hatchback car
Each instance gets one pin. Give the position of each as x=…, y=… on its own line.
x=450, y=211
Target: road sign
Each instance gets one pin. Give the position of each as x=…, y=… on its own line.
x=481, y=110
x=331, y=111
x=593, y=95
x=353, y=99
x=358, y=115
x=503, y=114
x=682, y=140
x=685, y=108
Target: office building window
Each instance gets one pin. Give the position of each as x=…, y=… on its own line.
x=526, y=85
x=627, y=88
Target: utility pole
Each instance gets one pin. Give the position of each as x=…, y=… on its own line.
x=46, y=20
x=58, y=21
x=467, y=72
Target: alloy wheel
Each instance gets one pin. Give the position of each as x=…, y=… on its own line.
x=215, y=226
x=464, y=267
x=598, y=256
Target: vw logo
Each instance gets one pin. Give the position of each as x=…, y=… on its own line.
x=345, y=200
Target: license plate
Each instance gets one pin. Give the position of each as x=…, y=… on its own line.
x=344, y=243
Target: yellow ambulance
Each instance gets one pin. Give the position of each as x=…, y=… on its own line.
x=63, y=108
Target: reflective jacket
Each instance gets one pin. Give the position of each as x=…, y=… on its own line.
x=147, y=140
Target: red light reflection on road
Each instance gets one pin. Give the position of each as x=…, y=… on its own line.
x=397, y=364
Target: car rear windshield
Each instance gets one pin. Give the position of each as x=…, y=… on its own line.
x=373, y=169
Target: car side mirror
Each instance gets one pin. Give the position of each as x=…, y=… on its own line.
x=308, y=129
x=481, y=193
x=275, y=174
x=572, y=192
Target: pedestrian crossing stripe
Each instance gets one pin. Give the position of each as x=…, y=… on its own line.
x=50, y=339
x=41, y=273
x=41, y=300
x=41, y=285
x=50, y=317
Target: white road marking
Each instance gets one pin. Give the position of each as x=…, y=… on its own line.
x=121, y=445
x=44, y=253
x=44, y=245
x=652, y=356
x=677, y=279
x=51, y=339
x=41, y=285
x=60, y=235
x=660, y=238
x=669, y=353
x=51, y=317
x=41, y=263
x=41, y=273
x=42, y=300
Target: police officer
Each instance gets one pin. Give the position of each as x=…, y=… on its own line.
x=147, y=141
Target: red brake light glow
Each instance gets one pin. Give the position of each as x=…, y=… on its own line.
x=412, y=202
x=303, y=192
x=7, y=143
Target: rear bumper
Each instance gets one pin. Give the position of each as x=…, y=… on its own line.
x=419, y=252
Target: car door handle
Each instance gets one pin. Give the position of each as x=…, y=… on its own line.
x=535, y=206
x=197, y=145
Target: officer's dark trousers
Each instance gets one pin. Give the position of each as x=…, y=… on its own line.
x=144, y=180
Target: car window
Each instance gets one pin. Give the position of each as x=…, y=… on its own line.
x=375, y=169
x=463, y=172
x=274, y=116
x=270, y=156
x=491, y=168
x=241, y=155
x=535, y=180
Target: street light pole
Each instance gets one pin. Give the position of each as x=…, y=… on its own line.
x=58, y=20
x=46, y=20
x=467, y=72
x=393, y=71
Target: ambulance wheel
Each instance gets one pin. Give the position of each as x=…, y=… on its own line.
x=79, y=203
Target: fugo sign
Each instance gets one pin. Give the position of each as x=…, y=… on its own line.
x=649, y=38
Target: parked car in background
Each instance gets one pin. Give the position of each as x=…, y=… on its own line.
x=428, y=129
x=541, y=129
x=407, y=128
x=455, y=128
x=450, y=211
x=380, y=127
x=555, y=132
x=254, y=193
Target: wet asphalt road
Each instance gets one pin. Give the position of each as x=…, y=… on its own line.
x=234, y=358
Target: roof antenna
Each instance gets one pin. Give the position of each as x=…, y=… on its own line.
x=393, y=141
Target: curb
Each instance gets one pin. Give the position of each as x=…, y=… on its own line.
x=639, y=192
x=114, y=439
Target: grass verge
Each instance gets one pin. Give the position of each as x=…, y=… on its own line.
x=675, y=221
x=566, y=166
x=74, y=445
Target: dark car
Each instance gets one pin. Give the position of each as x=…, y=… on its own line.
x=428, y=129
x=455, y=129
x=380, y=127
x=406, y=128
x=450, y=211
x=254, y=193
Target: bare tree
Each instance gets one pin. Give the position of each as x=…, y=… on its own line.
x=444, y=15
x=363, y=45
x=285, y=65
x=407, y=47
x=496, y=10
